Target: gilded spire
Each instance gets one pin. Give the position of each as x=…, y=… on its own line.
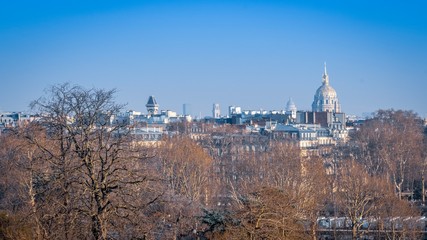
x=325, y=77
x=325, y=69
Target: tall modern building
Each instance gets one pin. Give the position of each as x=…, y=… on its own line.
x=152, y=106
x=186, y=109
x=326, y=99
x=216, y=111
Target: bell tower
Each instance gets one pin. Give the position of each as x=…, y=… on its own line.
x=152, y=106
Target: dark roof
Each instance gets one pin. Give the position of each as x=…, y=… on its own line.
x=285, y=128
x=151, y=101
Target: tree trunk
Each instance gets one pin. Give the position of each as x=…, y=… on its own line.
x=313, y=230
x=354, y=232
x=39, y=233
x=96, y=228
x=423, y=191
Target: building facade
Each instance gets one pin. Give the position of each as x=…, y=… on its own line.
x=216, y=111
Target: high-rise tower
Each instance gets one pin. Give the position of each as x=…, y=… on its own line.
x=186, y=109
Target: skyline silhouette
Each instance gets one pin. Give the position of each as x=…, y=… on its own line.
x=253, y=54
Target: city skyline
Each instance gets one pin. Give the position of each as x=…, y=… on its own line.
x=252, y=54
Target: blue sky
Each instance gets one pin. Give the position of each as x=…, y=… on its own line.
x=253, y=54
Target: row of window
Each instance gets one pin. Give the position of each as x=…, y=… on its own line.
x=327, y=101
x=6, y=120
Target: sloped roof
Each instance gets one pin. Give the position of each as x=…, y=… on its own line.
x=151, y=101
x=285, y=128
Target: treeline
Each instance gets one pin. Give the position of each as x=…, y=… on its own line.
x=72, y=175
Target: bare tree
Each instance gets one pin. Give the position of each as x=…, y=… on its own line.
x=186, y=167
x=390, y=144
x=17, y=197
x=267, y=213
x=186, y=170
x=95, y=168
x=359, y=195
x=397, y=219
x=281, y=171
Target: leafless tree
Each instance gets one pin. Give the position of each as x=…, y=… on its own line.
x=186, y=167
x=95, y=176
x=391, y=144
x=267, y=213
x=397, y=219
x=300, y=182
x=17, y=198
x=358, y=194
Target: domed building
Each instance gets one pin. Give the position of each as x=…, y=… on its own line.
x=291, y=108
x=326, y=99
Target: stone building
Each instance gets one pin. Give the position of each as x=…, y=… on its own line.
x=326, y=99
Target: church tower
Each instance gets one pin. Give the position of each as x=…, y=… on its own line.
x=152, y=106
x=326, y=99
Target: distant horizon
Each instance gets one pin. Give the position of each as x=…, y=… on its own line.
x=253, y=54
x=225, y=110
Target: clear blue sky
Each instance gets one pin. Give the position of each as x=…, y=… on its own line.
x=253, y=54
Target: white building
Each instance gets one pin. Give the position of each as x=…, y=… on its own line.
x=291, y=109
x=216, y=111
x=326, y=99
